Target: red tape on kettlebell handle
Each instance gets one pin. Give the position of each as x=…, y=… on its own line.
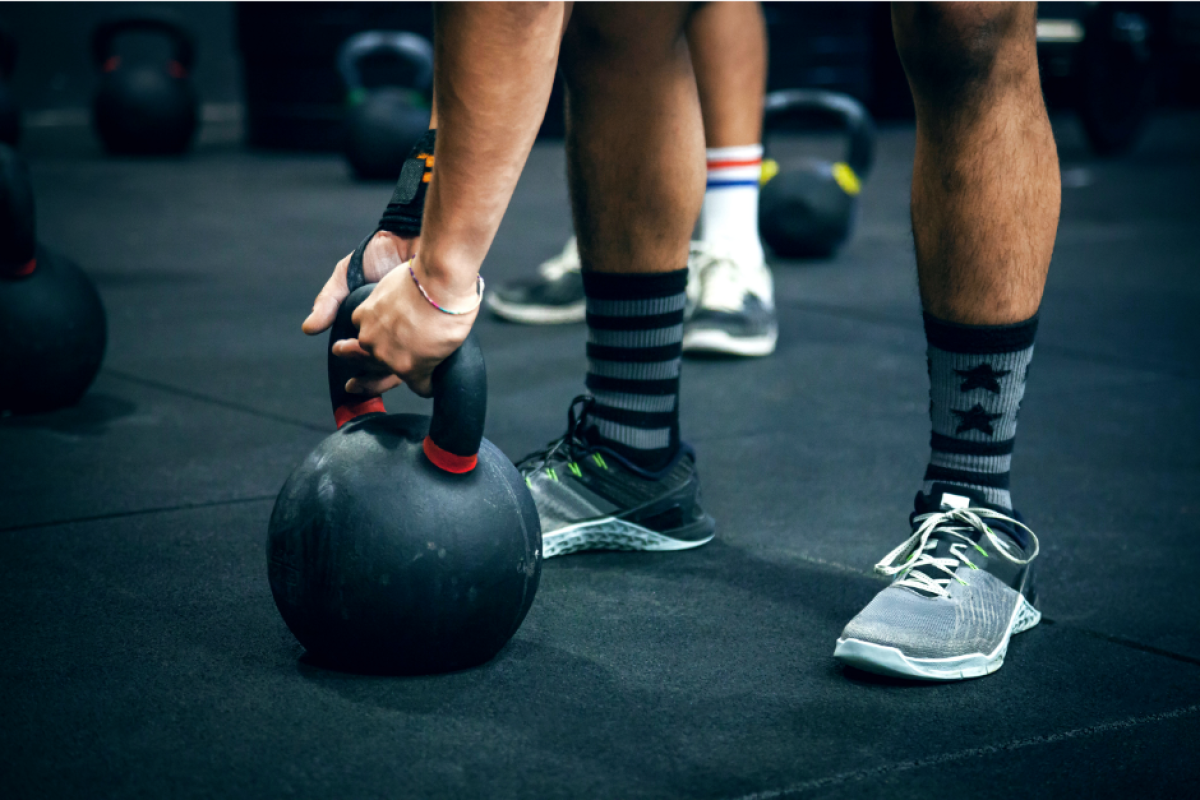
x=343, y=414
x=21, y=270
x=445, y=460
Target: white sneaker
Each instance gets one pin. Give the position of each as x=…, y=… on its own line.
x=732, y=304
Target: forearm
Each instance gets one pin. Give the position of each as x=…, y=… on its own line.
x=495, y=68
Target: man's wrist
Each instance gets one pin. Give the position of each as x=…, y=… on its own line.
x=451, y=287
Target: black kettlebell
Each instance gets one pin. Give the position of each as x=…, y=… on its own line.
x=405, y=544
x=144, y=109
x=52, y=325
x=384, y=122
x=10, y=113
x=807, y=210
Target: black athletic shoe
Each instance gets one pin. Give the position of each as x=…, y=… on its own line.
x=590, y=498
x=554, y=297
x=963, y=587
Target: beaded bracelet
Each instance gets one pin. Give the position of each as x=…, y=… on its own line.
x=425, y=294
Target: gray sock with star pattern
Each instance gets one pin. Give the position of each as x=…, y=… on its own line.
x=976, y=384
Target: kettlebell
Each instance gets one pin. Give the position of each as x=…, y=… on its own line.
x=404, y=544
x=384, y=122
x=10, y=113
x=807, y=210
x=144, y=109
x=52, y=325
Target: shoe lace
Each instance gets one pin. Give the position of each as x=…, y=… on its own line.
x=555, y=268
x=571, y=446
x=917, y=551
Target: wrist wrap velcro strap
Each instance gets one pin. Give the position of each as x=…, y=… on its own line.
x=404, y=210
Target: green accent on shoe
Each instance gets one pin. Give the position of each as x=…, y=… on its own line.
x=551, y=474
x=575, y=470
x=599, y=460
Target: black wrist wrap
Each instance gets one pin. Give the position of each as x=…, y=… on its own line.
x=404, y=210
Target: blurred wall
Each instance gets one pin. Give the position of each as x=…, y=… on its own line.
x=54, y=65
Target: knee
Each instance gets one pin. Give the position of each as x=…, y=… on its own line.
x=949, y=47
x=606, y=42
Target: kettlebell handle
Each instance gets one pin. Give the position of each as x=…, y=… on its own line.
x=409, y=46
x=841, y=108
x=183, y=49
x=459, y=385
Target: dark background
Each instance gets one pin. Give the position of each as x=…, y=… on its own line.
x=268, y=67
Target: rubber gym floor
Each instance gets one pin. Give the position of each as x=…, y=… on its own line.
x=141, y=653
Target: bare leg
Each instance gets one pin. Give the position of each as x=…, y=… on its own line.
x=634, y=137
x=985, y=194
x=732, y=292
x=728, y=42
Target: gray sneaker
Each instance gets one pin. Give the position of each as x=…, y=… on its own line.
x=733, y=306
x=963, y=587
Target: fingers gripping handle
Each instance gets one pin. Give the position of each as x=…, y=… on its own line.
x=347, y=406
x=459, y=386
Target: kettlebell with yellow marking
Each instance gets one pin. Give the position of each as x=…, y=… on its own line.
x=808, y=207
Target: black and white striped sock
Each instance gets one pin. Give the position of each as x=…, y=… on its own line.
x=635, y=331
x=977, y=380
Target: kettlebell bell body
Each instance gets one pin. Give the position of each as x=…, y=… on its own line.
x=804, y=212
x=10, y=113
x=384, y=122
x=144, y=109
x=809, y=208
x=381, y=560
x=52, y=326
x=52, y=336
x=403, y=543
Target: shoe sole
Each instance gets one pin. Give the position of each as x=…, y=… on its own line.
x=611, y=533
x=883, y=660
x=537, y=315
x=714, y=340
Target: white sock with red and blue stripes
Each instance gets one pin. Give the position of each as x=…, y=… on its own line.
x=729, y=218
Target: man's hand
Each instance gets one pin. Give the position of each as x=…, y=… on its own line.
x=384, y=253
x=402, y=338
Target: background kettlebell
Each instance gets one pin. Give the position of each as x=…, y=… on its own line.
x=52, y=325
x=384, y=122
x=10, y=113
x=405, y=544
x=144, y=109
x=807, y=209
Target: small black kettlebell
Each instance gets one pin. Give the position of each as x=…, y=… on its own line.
x=405, y=544
x=144, y=109
x=10, y=112
x=52, y=325
x=807, y=209
x=384, y=122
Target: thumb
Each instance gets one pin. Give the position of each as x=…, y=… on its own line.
x=328, y=301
